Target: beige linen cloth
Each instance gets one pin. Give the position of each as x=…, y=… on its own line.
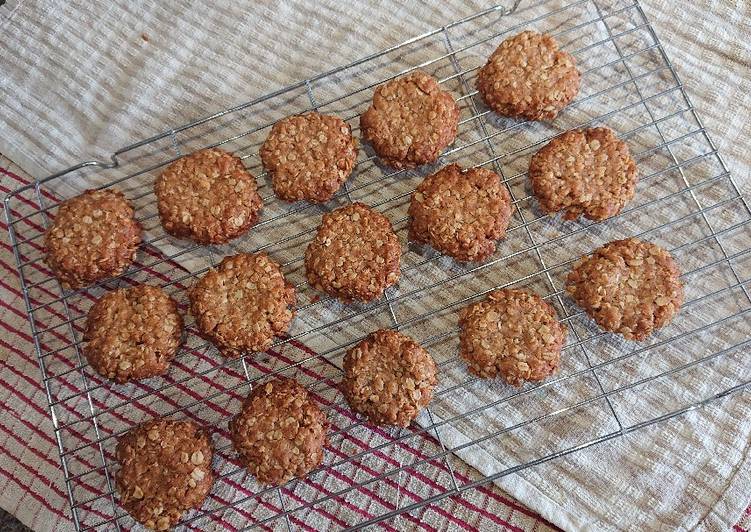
x=80, y=80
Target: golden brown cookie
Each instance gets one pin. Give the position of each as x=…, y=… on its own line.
x=354, y=255
x=528, y=76
x=411, y=120
x=207, y=196
x=165, y=470
x=388, y=378
x=309, y=156
x=511, y=334
x=629, y=286
x=587, y=172
x=280, y=432
x=94, y=236
x=243, y=304
x=132, y=333
x=461, y=213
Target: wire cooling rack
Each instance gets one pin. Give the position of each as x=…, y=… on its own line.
x=607, y=387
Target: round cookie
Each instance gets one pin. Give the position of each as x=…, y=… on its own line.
x=629, y=286
x=280, y=432
x=309, y=156
x=528, y=76
x=354, y=255
x=388, y=378
x=411, y=120
x=132, y=333
x=165, y=470
x=511, y=334
x=243, y=304
x=207, y=196
x=94, y=236
x=461, y=213
x=587, y=172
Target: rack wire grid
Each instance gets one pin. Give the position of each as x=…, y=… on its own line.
x=607, y=387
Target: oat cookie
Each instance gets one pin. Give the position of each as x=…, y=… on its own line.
x=94, y=236
x=280, y=432
x=388, y=378
x=511, y=334
x=528, y=76
x=309, y=156
x=586, y=172
x=243, y=304
x=165, y=470
x=629, y=286
x=207, y=196
x=411, y=120
x=132, y=333
x=461, y=213
x=354, y=255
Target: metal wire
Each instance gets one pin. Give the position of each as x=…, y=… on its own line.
x=89, y=413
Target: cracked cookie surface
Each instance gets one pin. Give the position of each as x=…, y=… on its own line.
x=461, y=213
x=411, y=120
x=280, y=432
x=355, y=254
x=586, y=172
x=529, y=76
x=94, y=236
x=388, y=378
x=132, y=333
x=165, y=470
x=309, y=156
x=630, y=287
x=512, y=334
x=207, y=196
x=243, y=304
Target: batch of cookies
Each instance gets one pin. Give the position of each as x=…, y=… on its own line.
x=631, y=287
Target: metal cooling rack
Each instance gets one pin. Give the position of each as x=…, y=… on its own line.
x=686, y=201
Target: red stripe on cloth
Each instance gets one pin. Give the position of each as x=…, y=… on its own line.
x=36, y=496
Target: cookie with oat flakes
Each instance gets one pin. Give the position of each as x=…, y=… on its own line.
x=165, y=470
x=243, y=304
x=411, y=120
x=280, y=432
x=588, y=172
x=628, y=286
x=207, y=196
x=388, y=378
x=355, y=254
x=529, y=76
x=512, y=334
x=309, y=156
x=132, y=333
x=461, y=213
x=94, y=236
